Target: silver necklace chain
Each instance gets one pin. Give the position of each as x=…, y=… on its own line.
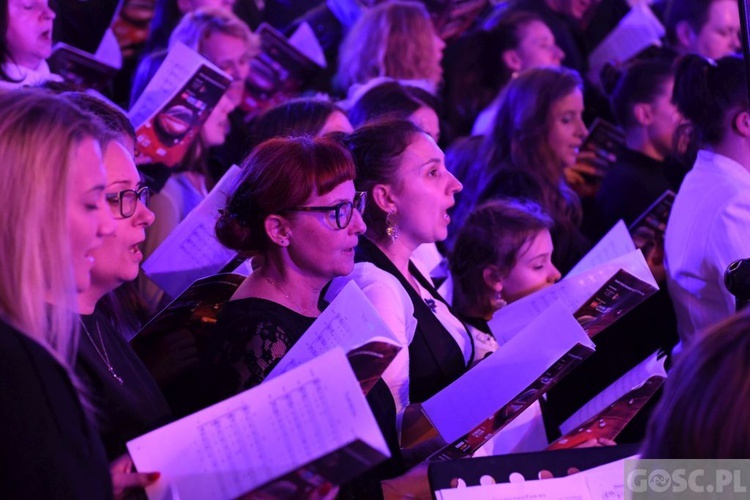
x=103, y=352
x=286, y=295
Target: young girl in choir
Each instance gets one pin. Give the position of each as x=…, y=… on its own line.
x=502, y=253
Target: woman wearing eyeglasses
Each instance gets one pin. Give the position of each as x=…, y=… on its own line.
x=295, y=209
x=124, y=397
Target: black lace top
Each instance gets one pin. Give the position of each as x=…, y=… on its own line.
x=252, y=335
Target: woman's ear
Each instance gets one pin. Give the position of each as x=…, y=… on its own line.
x=742, y=123
x=643, y=114
x=493, y=278
x=512, y=60
x=278, y=229
x=382, y=196
x=684, y=34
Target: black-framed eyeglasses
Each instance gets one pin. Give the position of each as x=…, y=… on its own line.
x=344, y=211
x=127, y=200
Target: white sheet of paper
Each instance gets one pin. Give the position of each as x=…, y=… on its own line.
x=304, y=40
x=632, y=379
x=109, y=51
x=615, y=243
x=639, y=29
x=606, y=482
x=191, y=251
x=349, y=321
x=504, y=374
x=526, y=433
x=563, y=488
x=572, y=292
x=178, y=67
x=243, y=442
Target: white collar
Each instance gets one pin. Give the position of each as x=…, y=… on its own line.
x=22, y=76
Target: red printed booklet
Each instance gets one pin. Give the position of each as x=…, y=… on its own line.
x=170, y=112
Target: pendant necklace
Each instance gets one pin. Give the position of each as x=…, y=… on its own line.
x=103, y=352
x=303, y=310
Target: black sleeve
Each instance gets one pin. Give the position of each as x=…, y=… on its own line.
x=48, y=447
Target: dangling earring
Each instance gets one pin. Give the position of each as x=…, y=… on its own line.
x=497, y=302
x=391, y=228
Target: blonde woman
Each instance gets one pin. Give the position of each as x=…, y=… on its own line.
x=53, y=217
x=395, y=40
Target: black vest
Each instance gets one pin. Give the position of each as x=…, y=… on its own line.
x=435, y=360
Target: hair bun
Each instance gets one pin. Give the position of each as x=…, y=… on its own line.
x=231, y=232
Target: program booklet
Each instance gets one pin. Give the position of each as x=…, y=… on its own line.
x=648, y=230
x=192, y=251
x=573, y=292
x=470, y=411
x=195, y=308
x=175, y=104
x=639, y=29
x=80, y=68
x=606, y=415
x=617, y=297
x=350, y=321
x=285, y=438
x=281, y=71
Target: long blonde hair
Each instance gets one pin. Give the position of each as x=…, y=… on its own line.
x=38, y=136
x=394, y=39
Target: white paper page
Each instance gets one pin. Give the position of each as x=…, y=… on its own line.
x=504, y=374
x=304, y=40
x=109, y=51
x=637, y=30
x=178, y=67
x=524, y=434
x=191, y=251
x=572, y=292
x=606, y=482
x=349, y=321
x=243, y=442
x=563, y=488
x=615, y=243
x=632, y=379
